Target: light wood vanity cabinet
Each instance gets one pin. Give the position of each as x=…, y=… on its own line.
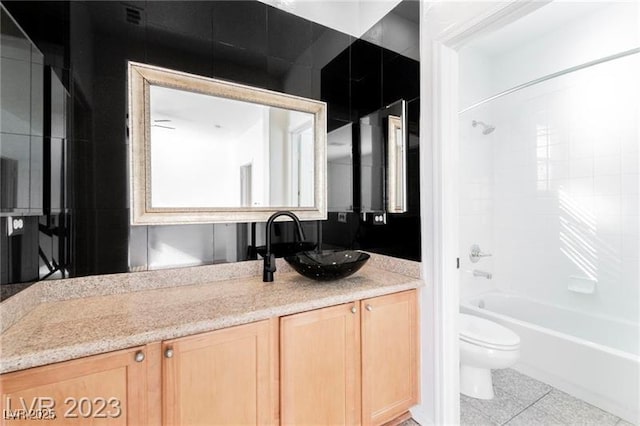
x=389, y=356
x=224, y=377
x=101, y=389
x=350, y=364
x=320, y=366
x=227, y=376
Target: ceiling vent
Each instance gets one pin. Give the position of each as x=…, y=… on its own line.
x=132, y=15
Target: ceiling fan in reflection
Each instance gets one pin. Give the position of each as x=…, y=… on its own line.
x=160, y=125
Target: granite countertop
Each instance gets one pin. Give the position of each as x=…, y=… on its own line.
x=59, y=330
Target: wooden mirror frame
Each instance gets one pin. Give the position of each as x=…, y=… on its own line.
x=141, y=77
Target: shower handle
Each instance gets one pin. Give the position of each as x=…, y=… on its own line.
x=475, y=254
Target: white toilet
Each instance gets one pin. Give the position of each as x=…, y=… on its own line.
x=484, y=345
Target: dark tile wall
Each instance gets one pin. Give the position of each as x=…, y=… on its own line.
x=89, y=43
x=377, y=77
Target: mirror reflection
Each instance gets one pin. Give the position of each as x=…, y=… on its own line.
x=340, y=169
x=214, y=152
x=383, y=156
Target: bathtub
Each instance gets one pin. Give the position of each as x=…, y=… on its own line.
x=596, y=359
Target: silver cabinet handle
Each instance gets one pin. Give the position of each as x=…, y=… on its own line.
x=369, y=308
x=168, y=353
x=353, y=310
x=139, y=356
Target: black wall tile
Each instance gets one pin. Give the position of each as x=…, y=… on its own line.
x=112, y=51
x=190, y=18
x=111, y=176
x=289, y=37
x=109, y=111
x=242, y=66
x=81, y=158
x=336, y=88
x=366, y=78
x=241, y=25
x=84, y=240
x=401, y=76
x=178, y=51
x=295, y=79
x=241, y=41
x=112, y=241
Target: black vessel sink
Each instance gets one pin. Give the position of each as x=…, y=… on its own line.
x=327, y=265
x=286, y=249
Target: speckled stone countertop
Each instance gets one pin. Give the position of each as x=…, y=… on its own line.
x=55, y=329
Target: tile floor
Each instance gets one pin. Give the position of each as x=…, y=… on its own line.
x=523, y=401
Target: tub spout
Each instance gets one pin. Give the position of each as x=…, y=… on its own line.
x=479, y=273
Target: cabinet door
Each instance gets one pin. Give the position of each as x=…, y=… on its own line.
x=389, y=356
x=101, y=389
x=225, y=377
x=320, y=366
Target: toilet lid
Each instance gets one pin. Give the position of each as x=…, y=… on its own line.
x=483, y=332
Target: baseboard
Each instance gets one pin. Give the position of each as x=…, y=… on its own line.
x=419, y=415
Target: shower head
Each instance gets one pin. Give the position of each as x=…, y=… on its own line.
x=486, y=128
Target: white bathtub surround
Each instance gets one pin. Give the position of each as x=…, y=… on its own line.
x=523, y=401
x=590, y=357
x=484, y=346
x=554, y=191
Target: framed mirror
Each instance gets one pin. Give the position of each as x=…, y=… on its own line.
x=210, y=151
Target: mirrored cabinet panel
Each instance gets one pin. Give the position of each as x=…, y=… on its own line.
x=340, y=169
x=383, y=160
x=21, y=122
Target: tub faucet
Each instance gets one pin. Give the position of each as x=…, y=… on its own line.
x=479, y=273
x=269, y=258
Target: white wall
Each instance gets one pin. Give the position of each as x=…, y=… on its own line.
x=395, y=33
x=553, y=38
x=278, y=157
x=353, y=17
x=476, y=76
x=182, y=179
x=251, y=151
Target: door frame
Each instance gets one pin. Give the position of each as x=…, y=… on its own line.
x=444, y=28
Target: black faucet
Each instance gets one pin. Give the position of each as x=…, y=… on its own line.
x=270, y=258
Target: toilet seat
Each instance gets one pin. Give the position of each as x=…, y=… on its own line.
x=488, y=334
